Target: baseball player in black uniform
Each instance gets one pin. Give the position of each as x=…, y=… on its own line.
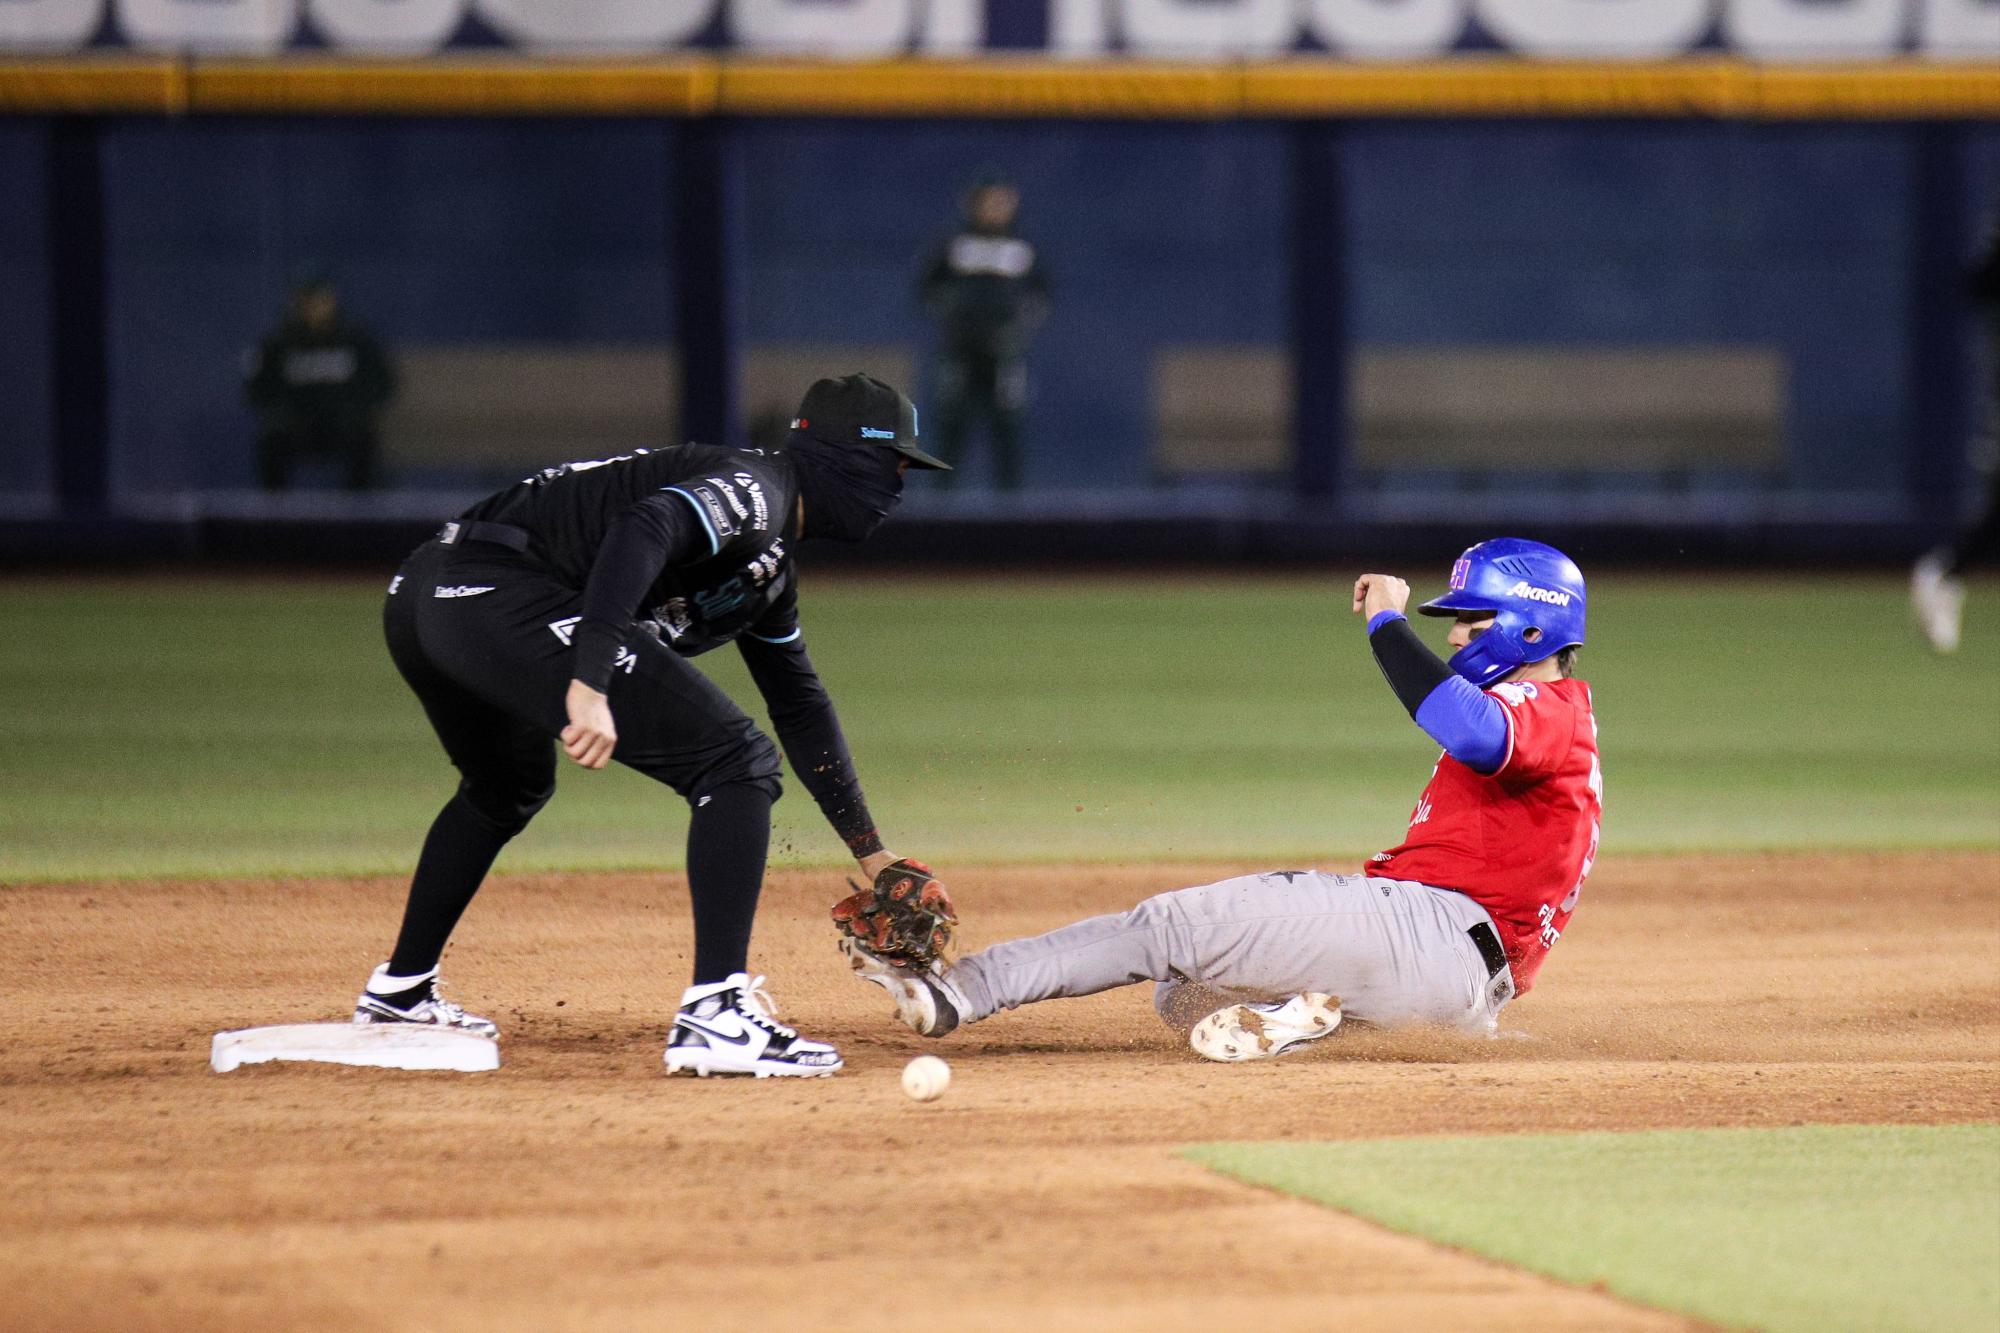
x=318, y=383
x=525, y=621
x=988, y=290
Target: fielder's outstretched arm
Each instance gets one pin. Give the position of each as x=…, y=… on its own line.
x=802, y=714
x=1467, y=722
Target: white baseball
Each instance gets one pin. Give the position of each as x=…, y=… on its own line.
x=925, y=1078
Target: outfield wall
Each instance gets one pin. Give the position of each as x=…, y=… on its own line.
x=1670, y=292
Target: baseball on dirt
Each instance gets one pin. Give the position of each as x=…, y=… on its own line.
x=925, y=1078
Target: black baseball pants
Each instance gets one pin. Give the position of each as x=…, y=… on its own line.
x=280, y=451
x=978, y=386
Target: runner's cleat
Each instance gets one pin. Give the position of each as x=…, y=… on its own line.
x=926, y=1001
x=1260, y=1031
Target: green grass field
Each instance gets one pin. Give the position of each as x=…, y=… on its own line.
x=209, y=727
x=1826, y=1227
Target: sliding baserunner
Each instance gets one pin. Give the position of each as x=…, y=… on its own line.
x=1446, y=927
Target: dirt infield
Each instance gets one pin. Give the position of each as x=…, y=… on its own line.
x=579, y=1187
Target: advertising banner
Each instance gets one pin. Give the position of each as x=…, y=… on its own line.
x=1370, y=31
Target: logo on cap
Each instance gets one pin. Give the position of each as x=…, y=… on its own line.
x=1459, y=571
x=870, y=433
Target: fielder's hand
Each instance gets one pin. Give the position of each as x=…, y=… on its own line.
x=590, y=736
x=904, y=918
x=1379, y=592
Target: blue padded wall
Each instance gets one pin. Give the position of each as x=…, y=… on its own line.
x=1156, y=233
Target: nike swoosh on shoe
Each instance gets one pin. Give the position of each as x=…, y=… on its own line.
x=696, y=1025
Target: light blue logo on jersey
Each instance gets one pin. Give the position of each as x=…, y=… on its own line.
x=720, y=601
x=1536, y=595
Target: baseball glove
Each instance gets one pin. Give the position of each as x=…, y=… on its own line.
x=904, y=918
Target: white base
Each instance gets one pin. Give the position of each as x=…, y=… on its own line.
x=377, y=1045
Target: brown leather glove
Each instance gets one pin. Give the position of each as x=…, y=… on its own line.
x=904, y=918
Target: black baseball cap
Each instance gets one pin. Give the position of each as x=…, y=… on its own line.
x=858, y=410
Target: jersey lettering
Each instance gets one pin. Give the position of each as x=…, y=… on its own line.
x=998, y=256
x=765, y=567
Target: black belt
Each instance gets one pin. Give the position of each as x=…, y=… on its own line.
x=1499, y=981
x=474, y=530
x=1488, y=943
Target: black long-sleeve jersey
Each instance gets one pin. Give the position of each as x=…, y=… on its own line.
x=987, y=289
x=332, y=378
x=698, y=539
x=696, y=536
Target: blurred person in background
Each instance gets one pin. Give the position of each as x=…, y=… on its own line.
x=988, y=291
x=318, y=383
x=1937, y=585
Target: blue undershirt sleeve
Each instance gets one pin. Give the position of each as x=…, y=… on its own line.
x=1470, y=724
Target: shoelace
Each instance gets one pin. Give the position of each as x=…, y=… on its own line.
x=760, y=1009
x=451, y=1013
x=755, y=995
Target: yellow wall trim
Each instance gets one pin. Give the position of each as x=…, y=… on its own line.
x=1003, y=87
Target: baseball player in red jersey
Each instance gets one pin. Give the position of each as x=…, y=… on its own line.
x=1445, y=927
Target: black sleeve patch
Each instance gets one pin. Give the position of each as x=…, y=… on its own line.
x=721, y=516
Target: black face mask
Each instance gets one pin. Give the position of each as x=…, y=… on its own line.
x=848, y=491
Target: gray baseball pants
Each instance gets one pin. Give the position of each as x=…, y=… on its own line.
x=1393, y=951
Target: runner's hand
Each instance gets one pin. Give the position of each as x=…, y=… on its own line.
x=1379, y=592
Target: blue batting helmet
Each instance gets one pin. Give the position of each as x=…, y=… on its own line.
x=1535, y=593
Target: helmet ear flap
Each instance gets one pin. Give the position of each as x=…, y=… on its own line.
x=1482, y=661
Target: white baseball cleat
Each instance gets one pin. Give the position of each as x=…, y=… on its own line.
x=730, y=1027
x=926, y=1001
x=1939, y=601
x=1259, y=1031
x=388, y=999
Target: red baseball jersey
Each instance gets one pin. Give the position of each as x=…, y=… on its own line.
x=1519, y=841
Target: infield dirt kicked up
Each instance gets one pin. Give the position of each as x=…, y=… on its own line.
x=579, y=1186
